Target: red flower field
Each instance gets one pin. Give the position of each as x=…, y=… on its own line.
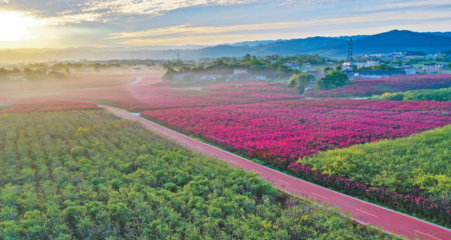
x=293, y=129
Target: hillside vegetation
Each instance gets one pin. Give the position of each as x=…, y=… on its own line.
x=90, y=175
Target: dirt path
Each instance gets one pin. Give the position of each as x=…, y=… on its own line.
x=362, y=211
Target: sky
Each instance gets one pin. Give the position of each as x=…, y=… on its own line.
x=129, y=23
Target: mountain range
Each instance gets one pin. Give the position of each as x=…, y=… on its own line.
x=332, y=47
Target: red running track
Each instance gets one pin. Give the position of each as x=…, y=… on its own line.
x=391, y=221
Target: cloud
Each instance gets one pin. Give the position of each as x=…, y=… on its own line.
x=188, y=29
x=76, y=11
x=157, y=7
x=189, y=34
x=191, y=30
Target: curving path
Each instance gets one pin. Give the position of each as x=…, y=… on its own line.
x=362, y=211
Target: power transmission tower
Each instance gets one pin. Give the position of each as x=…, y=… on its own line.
x=350, y=51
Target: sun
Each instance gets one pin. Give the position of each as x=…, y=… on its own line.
x=15, y=26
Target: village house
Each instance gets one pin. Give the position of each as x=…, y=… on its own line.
x=58, y=70
x=240, y=71
x=348, y=65
x=410, y=71
x=293, y=66
x=260, y=77
x=433, y=66
x=136, y=70
x=372, y=62
x=180, y=77
x=374, y=74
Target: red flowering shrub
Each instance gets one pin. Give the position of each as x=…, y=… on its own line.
x=364, y=88
x=290, y=130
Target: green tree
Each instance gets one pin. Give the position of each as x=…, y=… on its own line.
x=327, y=69
x=300, y=81
x=247, y=57
x=168, y=75
x=284, y=70
x=334, y=80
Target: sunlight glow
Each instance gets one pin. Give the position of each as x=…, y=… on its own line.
x=15, y=26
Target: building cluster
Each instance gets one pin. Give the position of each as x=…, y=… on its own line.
x=354, y=69
x=238, y=74
x=400, y=56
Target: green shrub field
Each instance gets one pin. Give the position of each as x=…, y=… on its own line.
x=443, y=94
x=421, y=161
x=90, y=175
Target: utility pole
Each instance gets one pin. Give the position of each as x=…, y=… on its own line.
x=350, y=58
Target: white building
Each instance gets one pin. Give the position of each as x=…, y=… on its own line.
x=307, y=64
x=371, y=63
x=433, y=66
x=136, y=70
x=17, y=77
x=293, y=66
x=348, y=65
x=240, y=71
x=410, y=71
x=180, y=77
x=439, y=65
x=58, y=70
x=260, y=77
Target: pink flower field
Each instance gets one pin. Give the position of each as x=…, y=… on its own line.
x=294, y=129
x=140, y=97
x=364, y=88
x=43, y=105
x=256, y=87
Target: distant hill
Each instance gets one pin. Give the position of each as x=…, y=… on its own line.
x=443, y=34
x=333, y=47
x=395, y=40
x=392, y=41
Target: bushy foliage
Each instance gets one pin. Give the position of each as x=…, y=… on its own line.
x=419, y=161
x=379, y=67
x=300, y=81
x=90, y=175
x=333, y=80
x=420, y=95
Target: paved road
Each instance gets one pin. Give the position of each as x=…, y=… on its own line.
x=362, y=211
